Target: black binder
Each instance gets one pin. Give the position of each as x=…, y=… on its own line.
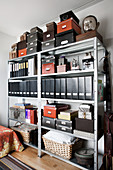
x=57, y=89
x=81, y=88
x=69, y=88
x=75, y=88
x=47, y=88
x=26, y=68
x=43, y=90
x=52, y=88
x=63, y=88
x=89, y=87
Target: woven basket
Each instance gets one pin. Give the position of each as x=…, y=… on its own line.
x=63, y=150
x=25, y=134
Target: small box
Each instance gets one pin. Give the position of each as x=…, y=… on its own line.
x=61, y=68
x=64, y=128
x=64, y=123
x=36, y=29
x=84, y=125
x=68, y=15
x=34, y=37
x=22, y=52
x=34, y=49
x=48, y=68
x=51, y=26
x=65, y=37
x=17, y=113
x=48, y=44
x=68, y=25
x=21, y=45
x=48, y=35
x=85, y=115
x=48, y=122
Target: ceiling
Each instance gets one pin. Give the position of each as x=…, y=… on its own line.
x=18, y=16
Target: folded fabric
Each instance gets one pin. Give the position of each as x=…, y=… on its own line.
x=59, y=137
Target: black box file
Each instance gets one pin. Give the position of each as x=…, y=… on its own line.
x=89, y=87
x=33, y=88
x=43, y=90
x=47, y=88
x=81, y=88
x=69, y=88
x=52, y=88
x=57, y=91
x=63, y=88
x=75, y=88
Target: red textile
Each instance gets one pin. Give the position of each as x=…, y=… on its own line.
x=9, y=141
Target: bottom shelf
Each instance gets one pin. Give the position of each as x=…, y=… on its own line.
x=74, y=162
x=31, y=145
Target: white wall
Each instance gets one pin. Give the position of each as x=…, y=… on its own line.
x=5, y=43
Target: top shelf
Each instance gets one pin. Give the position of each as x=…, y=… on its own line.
x=75, y=47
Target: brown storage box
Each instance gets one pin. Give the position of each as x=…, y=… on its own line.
x=89, y=34
x=68, y=25
x=21, y=45
x=14, y=47
x=12, y=54
x=24, y=36
x=84, y=125
x=22, y=52
x=48, y=68
x=48, y=35
x=51, y=26
x=36, y=29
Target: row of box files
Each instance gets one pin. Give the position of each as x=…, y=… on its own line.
x=24, y=68
x=68, y=88
x=24, y=88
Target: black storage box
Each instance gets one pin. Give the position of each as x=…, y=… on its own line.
x=64, y=128
x=48, y=44
x=34, y=49
x=65, y=37
x=68, y=15
x=36, y=29
x=48, y=35
x=21, y=45
x=84, y=125
x=34, y=37
x=64, y=123
x=50, y=59
x=48, y=122
x=33, y=44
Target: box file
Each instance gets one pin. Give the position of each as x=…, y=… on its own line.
x=43, y=90
x=75, y=88
x=47, y=88
x=81, y=88
x=57, y=92
x=89, y=87
x=69, y=88
x=63, y=88
x=52, y=88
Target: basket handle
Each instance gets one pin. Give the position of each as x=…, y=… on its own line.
x=18, y=122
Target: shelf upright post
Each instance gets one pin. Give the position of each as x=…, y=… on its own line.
x=39, y=103
x=95, y=104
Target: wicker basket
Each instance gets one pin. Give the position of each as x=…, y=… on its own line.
x=63, y=150
x=25, y=133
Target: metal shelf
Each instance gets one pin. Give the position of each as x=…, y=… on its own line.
x=83, y=136
x=22, y=58
x=24, y=77
x=70, y=73
x=23, y=122
x=70, y=100
x=31, y=145
x=71, y=161
x=23, y=97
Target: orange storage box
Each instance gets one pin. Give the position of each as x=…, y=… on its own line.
x=52, y=110
x=48, y=68
x=68, y=25
x=22, y=52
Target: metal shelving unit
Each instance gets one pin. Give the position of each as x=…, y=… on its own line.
x=80, y=47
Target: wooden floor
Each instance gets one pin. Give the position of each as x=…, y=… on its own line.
x=29, y=156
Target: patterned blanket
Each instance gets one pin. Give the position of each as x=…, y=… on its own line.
x=9, y=141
